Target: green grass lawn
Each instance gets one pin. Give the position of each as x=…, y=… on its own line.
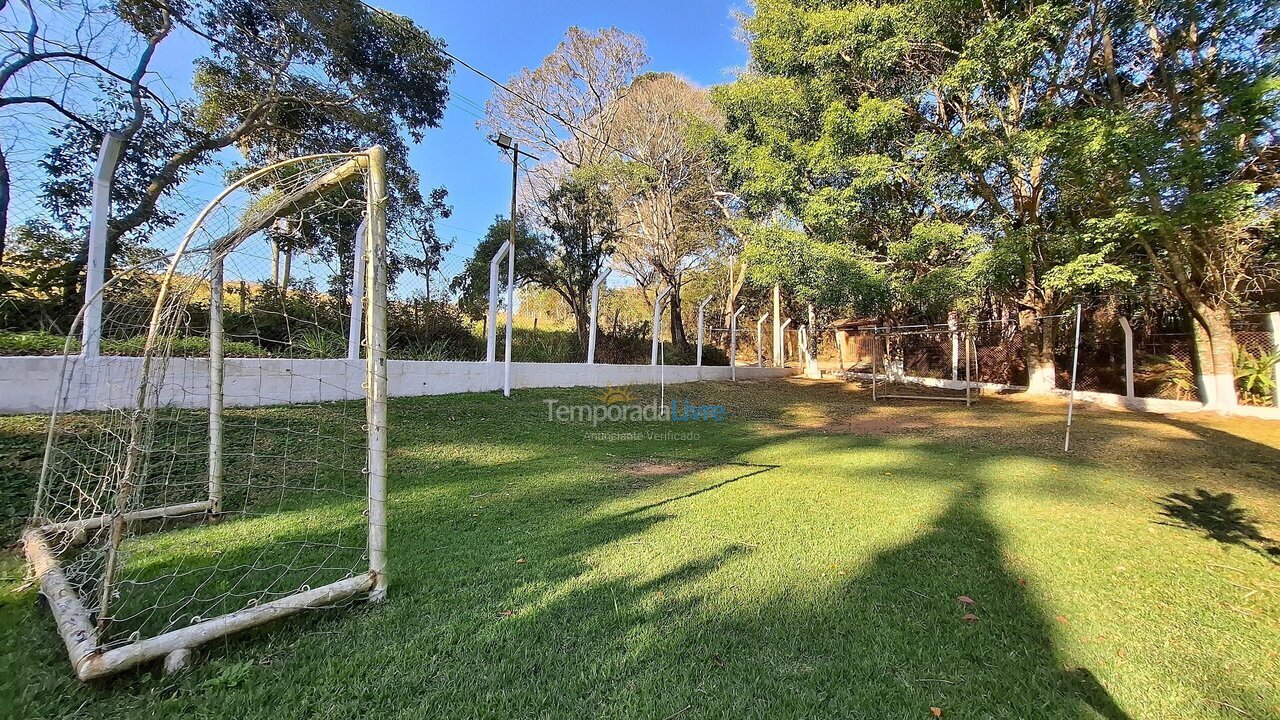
x=803, y=559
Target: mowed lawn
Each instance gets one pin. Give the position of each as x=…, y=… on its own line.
x=804, y=559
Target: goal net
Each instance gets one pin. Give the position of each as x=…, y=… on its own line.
x=222, y=463
x=922, y=364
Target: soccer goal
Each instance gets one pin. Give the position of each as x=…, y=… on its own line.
x=222, y=463
x=922, y=364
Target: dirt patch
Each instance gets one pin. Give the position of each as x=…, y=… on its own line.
x=883, y=425
x=652, y=469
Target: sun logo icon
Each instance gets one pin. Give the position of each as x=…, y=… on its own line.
x=617, y=395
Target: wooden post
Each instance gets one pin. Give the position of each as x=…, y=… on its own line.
x=376, y=365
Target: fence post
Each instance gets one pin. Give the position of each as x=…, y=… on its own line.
x=702, y=313
x=1128, y=356
x=595, y=311
x=955, y=347
x=657, y=324
x=1273, y=319
x=356, y=328
x=491, y=330
x=96, y=268
x=777, y=324
x=811, y=367
x=733, y=344
x=760, y=340
x=782, y=333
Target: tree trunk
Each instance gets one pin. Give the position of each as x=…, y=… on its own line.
x=1038, y=337
x=275, y=264
x=4, y=202
x=679, y=339
x=1215, y=356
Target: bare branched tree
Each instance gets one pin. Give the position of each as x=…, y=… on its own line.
x=564, y=109
x=668, y=206
x=59, y=56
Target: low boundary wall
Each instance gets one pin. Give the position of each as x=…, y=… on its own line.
x=1112, y=401
x=29, y=384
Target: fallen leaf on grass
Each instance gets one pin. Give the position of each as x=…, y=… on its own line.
x=506, y=613
x=520, y=561
x=970, y=618
x=965, y=600
x=1022, y=582
x=935, y=711
x=1061, y=618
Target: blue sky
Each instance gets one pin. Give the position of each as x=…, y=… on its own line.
x=694, y=38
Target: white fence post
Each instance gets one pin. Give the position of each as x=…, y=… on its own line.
x=96, y=267
x=733, y=344
x=657, y=324
x=1274, y=319
x=782, y=334
x=1128, y=356
x=356, y=329
x=777, y=324
x=595, y=312
x=955, y=347
x=760, y=340
x=702, y=313
x=491, y=330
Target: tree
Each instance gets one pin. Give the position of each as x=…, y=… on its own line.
x=668, y=212
x=859, y=122
x=1181, y=114
x=281, y=77
x=63, y=69
x=564, y=109
x=472, y=284
x=583, y=229
x=426, y=249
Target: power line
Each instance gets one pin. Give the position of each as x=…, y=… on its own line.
x=540, y=108
x=530, y=102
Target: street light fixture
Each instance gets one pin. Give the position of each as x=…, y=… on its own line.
x=506, y=142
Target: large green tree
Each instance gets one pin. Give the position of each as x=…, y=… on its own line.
x=1179, y=155
x=880, y=132
x=279, y=78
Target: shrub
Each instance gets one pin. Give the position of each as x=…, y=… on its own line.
x=1255, y=376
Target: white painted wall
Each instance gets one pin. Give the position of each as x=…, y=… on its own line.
x=29, y=384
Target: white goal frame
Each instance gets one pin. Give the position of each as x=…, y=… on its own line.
x=90, y=659
x=881, y=350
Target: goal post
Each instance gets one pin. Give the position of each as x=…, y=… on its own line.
x=217, y=471
x=905, y=360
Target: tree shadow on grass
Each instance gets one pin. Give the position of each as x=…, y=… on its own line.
x=890, y=641
x=1219, y=518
